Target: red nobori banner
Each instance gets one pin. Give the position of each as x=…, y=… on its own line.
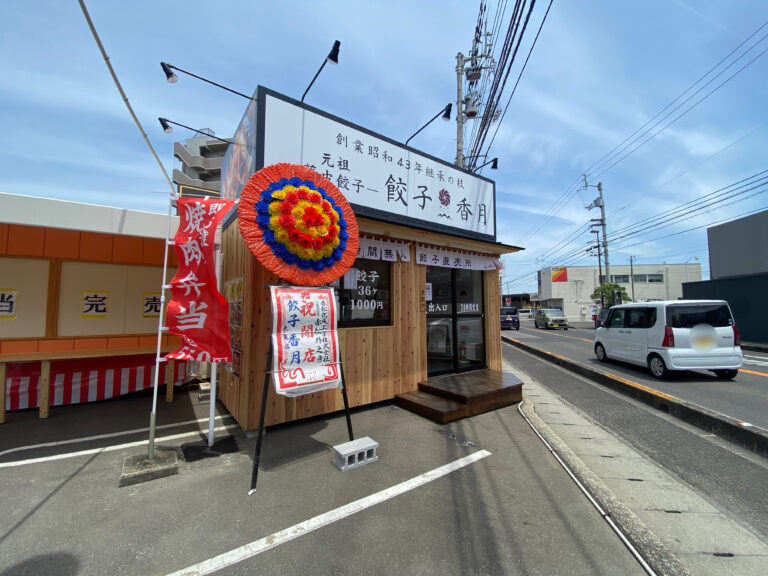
x=304, y=340
x=197, y=311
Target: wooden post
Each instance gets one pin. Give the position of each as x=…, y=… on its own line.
x=45, y=387
x=170, y=380
x=2, y=392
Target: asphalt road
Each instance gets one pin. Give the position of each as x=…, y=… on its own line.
x=727, y=476
x=745, y=398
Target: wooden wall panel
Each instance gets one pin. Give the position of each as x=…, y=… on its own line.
x=492, y=319
x=378, y=362
x=235, y=264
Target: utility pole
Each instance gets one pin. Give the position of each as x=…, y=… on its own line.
x=605, y=233
x=599, y=265
x=600, y=203
x=459, y=111
x=632, y=277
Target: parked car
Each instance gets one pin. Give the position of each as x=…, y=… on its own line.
x=672, y=335
x=601, y=317
x=509, y=318
x=524, y=312
x=550, y=318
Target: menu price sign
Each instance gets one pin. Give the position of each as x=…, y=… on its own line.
x=305, y=343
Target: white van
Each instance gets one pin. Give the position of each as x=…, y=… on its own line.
x=672, y=335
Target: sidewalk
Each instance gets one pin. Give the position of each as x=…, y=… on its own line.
x=669, y=522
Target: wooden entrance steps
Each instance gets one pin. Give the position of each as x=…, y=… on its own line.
x=455, y=396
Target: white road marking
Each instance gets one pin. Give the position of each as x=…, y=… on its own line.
x=755, y=360
x=110, y=435
x=273, y=540
x=106, y=448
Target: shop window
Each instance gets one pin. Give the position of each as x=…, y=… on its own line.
x=364, y=294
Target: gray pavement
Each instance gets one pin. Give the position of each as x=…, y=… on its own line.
x=423, y=508
x=513, y=510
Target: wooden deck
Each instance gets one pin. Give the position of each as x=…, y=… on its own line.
x=455, y=396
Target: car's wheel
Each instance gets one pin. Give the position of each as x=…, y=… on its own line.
x=565, y=328
x=726, y=374
x=657, y=366
x=517, y=327
x=600, y=352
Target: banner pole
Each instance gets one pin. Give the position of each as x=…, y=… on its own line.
x=214, y=372
x=212, y=404
x=346, y=403
x=257, y=456
x=158, y=358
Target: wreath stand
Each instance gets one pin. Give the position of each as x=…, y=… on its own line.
x=265, y=391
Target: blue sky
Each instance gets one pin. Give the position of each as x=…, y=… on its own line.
x=600, y=70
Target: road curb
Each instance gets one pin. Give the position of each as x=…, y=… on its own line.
x=741, y=433
x=650, y=547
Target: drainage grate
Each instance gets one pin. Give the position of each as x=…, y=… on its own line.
x=723, y=554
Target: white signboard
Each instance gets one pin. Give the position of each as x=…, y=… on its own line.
x=305, y=344
x=378, y=177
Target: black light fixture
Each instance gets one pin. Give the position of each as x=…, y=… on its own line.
x=167, y=128
x=333, y=58
x=446, y=112
x=172, y=78
x=494, y=162
x=170, y=75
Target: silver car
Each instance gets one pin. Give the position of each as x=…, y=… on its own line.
x=550, y=318
x=672, y=335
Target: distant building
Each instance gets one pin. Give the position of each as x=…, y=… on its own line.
x=518, y=300
x=570, y=288
x=200, y=159
x=738, y=263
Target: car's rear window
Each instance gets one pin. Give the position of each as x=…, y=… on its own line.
x=689, y=315
x=508, y=311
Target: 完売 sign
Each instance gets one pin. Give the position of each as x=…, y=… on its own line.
x=304, y=340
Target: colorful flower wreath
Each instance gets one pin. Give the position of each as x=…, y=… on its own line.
x=298, y=224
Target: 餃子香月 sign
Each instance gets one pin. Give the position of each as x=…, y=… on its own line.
x=304, y=340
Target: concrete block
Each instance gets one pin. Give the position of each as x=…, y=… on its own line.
x=355, y=453
x=137, y=469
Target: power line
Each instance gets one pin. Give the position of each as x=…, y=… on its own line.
x=652, y=136
x=617, y=149
x=687, y=209
x=521, y=73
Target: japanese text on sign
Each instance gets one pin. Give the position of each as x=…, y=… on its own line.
x=376, y=174
x=197, y=311
x=304, y=340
